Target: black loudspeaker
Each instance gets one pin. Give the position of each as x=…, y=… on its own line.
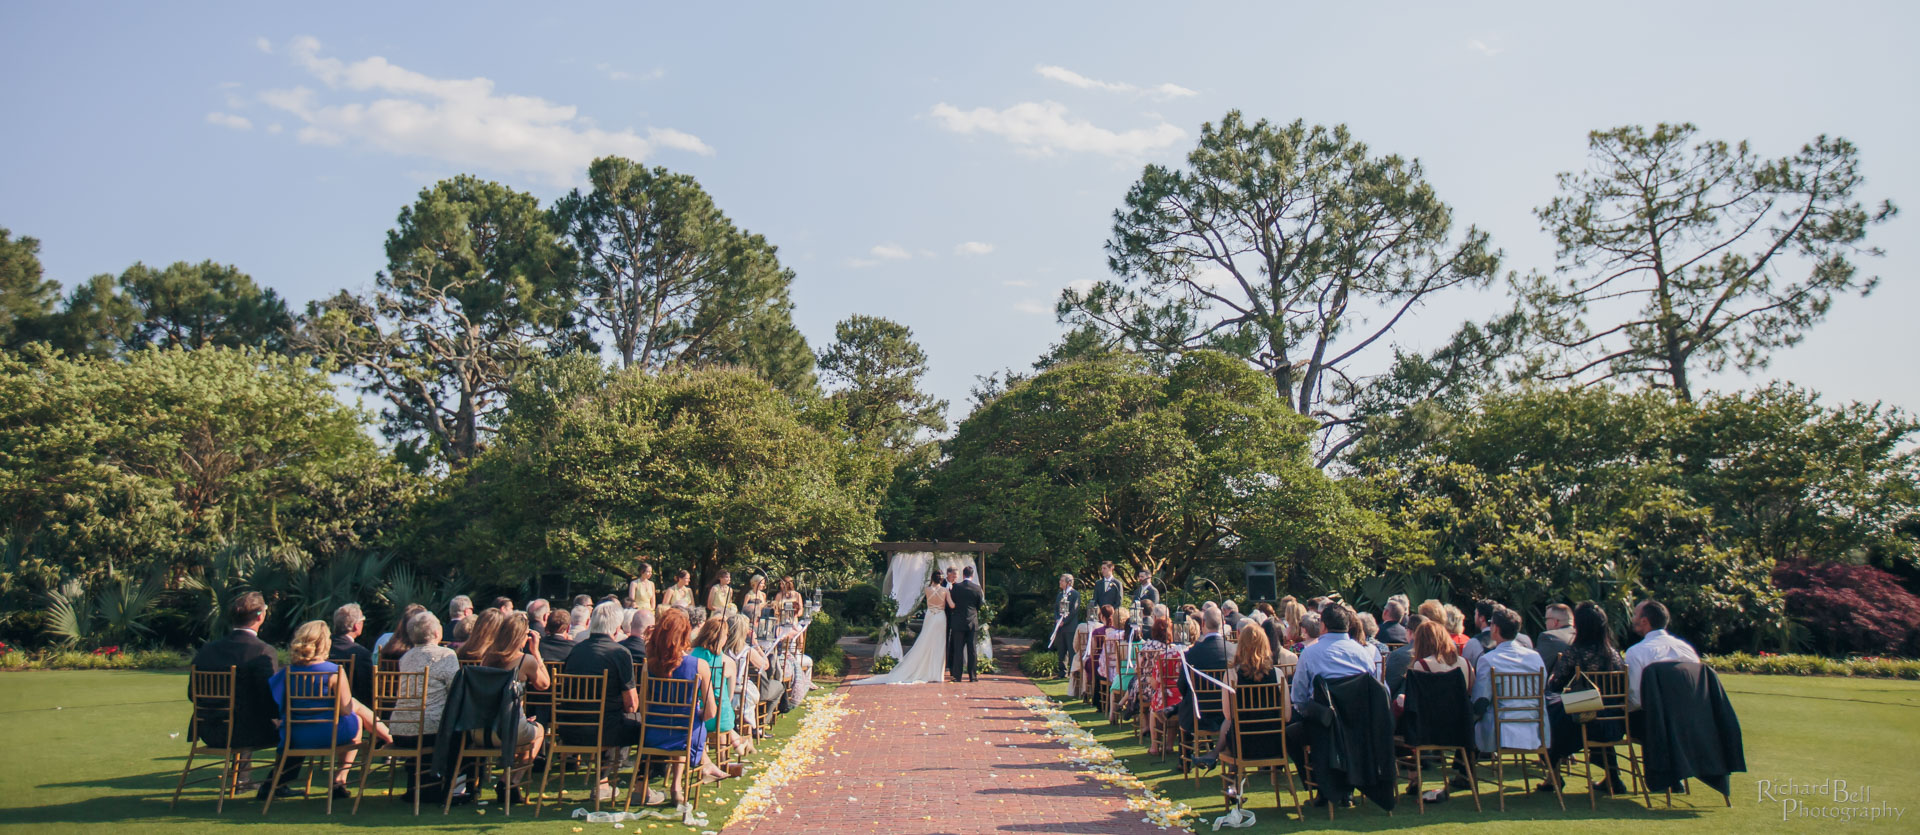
x=1262, y=583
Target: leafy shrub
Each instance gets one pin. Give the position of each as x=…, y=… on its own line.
x=1038, y=664
x=884, y=663
x=1767, y=663
x=823, y=634
x=1850, y=609
x=102, y=659
x=864, y=603
x=831, y=664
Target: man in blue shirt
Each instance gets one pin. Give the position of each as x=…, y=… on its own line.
x=1333, y=655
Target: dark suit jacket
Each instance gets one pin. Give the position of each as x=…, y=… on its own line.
x=362, y=682
x=1392, y=632
x=1690, y=727
x=635, y=647
x=555, y=647
x=1212, y=653
x=967, y=599
x=1551, y=643
x=253, y=662
x=1107, y=591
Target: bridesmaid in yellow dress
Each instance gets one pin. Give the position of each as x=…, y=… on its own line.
x=640, y=591
x=678, y=594
x=756, y=598
x=720, y=596
x=788, y=603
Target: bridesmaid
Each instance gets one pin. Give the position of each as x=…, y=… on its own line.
x=680, y=593
x=788, y=603
x=756, y=598
x=640, y=592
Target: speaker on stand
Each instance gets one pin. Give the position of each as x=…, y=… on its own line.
x=1263, y=584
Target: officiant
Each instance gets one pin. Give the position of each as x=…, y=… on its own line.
x=1065, y=606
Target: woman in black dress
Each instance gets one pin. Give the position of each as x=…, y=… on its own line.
x=1592, y=652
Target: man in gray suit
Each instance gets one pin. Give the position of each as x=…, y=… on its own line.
x=1557, y=636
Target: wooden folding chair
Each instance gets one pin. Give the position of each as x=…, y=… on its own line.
x=314, y=686
x=667, y=705
x=214, y=702
x=1519, y=701
x=1613, y=707
x=1090, y=671
x=579, y=704
x=1207, y=698
x=479, y=747
x=1416, y=759
x=402, y=696
x=387, y=665
x=1145, y=664
x=1259, y=714
x=1119, y=659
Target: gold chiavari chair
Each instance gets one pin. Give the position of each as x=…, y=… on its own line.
x=579, y=706
x=388, y=665
x=214, y=704
x=1090, y=672
x=1613, y=708
x=1145, y=663
x=1259, y=715
x=314, y=687
x=668, y=706
x=1442, y=734
x=1208, y=698
x=403, y=698
x=1519, y=702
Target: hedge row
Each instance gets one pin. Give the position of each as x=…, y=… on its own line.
x=1815, y=665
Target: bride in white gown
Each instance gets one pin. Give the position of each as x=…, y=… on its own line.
x=927, y=660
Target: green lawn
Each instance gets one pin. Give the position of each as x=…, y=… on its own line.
x=1861, y=731
x=92, y=751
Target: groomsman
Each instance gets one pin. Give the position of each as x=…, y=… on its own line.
x=1065, y=607
x=1108, y=591
x=1145, y=593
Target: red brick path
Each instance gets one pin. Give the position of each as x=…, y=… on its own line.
x=946, y=758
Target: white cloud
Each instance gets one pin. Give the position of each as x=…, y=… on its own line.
x=890, y=252
x=973, y=248
x=862, y=263
x=1044, y=128
x=1081, y=286
x=612, y=74
x=274, y=128
x=1482, y=48
x=229, y=120
x=460, y=122
x=264, y=45
x=1033, y=306
x=1074, y=79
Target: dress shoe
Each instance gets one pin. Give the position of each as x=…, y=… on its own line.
x=282, y=793
x=340, y=792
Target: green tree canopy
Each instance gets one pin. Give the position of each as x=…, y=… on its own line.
x=203, y=305
x=1104, y=459
x=1681, y=255
x=477, y=285
x=873, y=370
x=596, y=470
x=1291, y=247
x=27, y=297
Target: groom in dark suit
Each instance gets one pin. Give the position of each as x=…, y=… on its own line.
x=963, y=626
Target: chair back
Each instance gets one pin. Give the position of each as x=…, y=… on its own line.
x=401, y=698
x=1519, y=701
x=579, y=706
x=1286, y=670
x=388, y=665
x=345, y=662
x=310, y=687
x=1259, y=716
x=1208, y=698
x=213, y=699
x=1613, y=692
x=1096, y=643
x=469, y=662
x=1391, y=646
x=668, y=705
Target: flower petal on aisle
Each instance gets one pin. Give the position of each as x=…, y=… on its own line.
x=1096, y=760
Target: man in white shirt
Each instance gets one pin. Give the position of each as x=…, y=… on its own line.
x=1650, y=622
x=1506, y=656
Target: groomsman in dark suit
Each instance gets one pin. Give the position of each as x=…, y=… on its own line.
x=1108, y=591
x=1143, y=591
x=1066, y=608
x=255, y=719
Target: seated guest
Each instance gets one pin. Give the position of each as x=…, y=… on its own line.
x=1252, y=664
x=710, y=646
x=537, y=611
x=1230, y=616
x=504, y=651
x=1591, y=651
x=601, y=653
x=670, y=656
x=394, y=644
x=1506, y=656
x=1291, y=613
x=1432, y=610
x=1332, y=655
x=308, y=654
x=579, y=616
x=558, y=642
x=1394, y=671
x=1650, y=623
x=459, y=618
x=1557, y=636
x=1194, y=632
x=1370, y=632
x=1432, y=651
x=1456, y=622
x=1210, y=653
x=1392, y=630
x=255, y=716
x=1357, y=631
x=485, y=627
x=347, y=625
x=750, y=661
x=639, y=623
x=1161, y=694
x=1482, y=612
x=504, y=604
x=423, y=634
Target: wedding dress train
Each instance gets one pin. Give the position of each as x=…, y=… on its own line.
x=926, y=661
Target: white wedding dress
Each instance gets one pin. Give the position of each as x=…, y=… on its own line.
x=926, y=660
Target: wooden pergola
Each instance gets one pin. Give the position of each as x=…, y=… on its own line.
x=938, y=547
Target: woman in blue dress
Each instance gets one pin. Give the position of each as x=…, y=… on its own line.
x=309, y=655
x=669, y=656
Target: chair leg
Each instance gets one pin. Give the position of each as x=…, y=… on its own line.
x=279, y=763
x=1500, y=778
x=229, y=781
x=184, y=771
x=459, y=759
x=541, y=804
x=1593, y=791
x=365, y=768
x=1557, y=793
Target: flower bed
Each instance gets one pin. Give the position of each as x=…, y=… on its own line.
x=1090, y=757
x=104, y=658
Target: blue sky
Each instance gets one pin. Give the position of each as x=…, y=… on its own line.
x=950, y=168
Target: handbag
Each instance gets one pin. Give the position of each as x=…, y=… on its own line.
x=1581, y=702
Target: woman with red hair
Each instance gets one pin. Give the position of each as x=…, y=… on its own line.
x=670, y=656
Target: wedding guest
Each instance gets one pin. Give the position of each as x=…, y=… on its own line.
x=788, y=604
x=669, y=656
x=1230, y=615
x=1291, y=612
x=1211, y=653
x=639, y=623
x=750, y=661
x=396, y=643
x=558, y=642
x=1311, y=628
x=423, y=634
x=577, y=619
x=460, y=618
x=681, y=592
x=1590, y=651
x=1369, y=632
x=600, y=653
x=1252, y=665
x=720, y=595
x=641, y=588
x=1392, y=629
x=1432, y=610
x=255, y=712
x=348, y=621
x=756, y=598
x=1395, y=667
x=710, y=646
x=1432, y=651
x=1507, y=655
x=486, y=625
x=308, y=654
x=1655, y=645
x=583, y=600
x=1158, y=697
x=1456, y=622
x=1194, y=631
x=1557, y=635
x=1332, y=655
x=1482, y=611
x=537, y=610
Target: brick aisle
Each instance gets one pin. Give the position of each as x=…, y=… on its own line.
x=947, y=758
